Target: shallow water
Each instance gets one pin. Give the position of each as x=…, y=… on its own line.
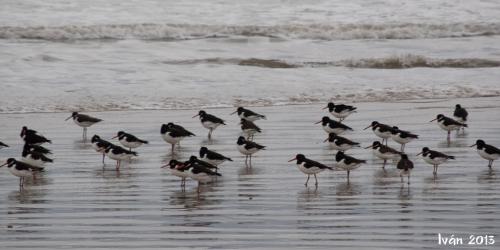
x=78, y=203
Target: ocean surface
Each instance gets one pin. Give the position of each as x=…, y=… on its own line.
x=78, y=203
x=98, y=55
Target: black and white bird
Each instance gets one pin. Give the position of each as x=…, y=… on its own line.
x=201, y=174
x=173, y=134
x=340, y=111
x=3, y=145
x=194, y=160
x=21, y=170
x=34, y=158
x=486, y=151
x=248, y=148
x=340, y=143
x=332, y=126
x=402, y=137
x=119, y=154
x=178, y=169
x=384, y=152
x=32, y=137
x=309, y=167
x=36, y=148
x=405, y=166
x=460, y=114
x=248, y=115
x=83, y=121
x=434, y=158
x=212, y=157
x=129, y=141
x=100, y=145
x=448, y=124
x=249, y=128
x=209, y=121
x=347, y=163
x=381, y=130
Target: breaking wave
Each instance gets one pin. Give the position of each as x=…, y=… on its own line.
x=149, y=31
x=392, y=62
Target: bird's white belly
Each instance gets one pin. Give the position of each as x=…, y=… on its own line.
x=449, y=127
x=404, y=172
x=172, y=140
x=337, y=131
x=31, y=161
x=400, y=140
x=182, y=174
x=311, y=170
x=127, y=144
x=342, y=147
x=385, y=156
x=213, y=162
x=83, y=124
x=435, y=161
x=20, y=173
x=487, y=156
x=342, y=165
x=245, y=151
x=383, y=135
x=343, y=114
x=201, y=177
x=251, y=118
x=119, y=157
x=210, y=125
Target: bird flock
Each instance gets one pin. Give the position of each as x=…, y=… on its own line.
x=206, y=168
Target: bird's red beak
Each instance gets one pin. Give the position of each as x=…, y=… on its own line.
x=293, y=159
x=367, y=127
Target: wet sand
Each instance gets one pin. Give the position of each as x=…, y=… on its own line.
x=76, y=203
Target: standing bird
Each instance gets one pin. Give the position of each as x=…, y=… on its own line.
x=248, y=148
x=119, y=154
x=3, y=145
x=460, y=114
x=405, y=166
x=84, y=121
x=21, y=170
x=340, y=143
x=38, y=149
x=100, y=145
x=174, y=126
x=32, y=137
x=34, y=158
x=178, y=169
x=346, y=162
x=486, y=151
x=402, y=137
x=309, y=167
x=248, y=115
x=384, y=152
x=201, y=174
x=173, y=135
x=332, y=126
x=340, y=111
x=381, y=130
x=129, y=141
x=434, y=158
x=249, y=128
x=194, y=160
x=448, y=124
x=212, y=157
x=209, y=121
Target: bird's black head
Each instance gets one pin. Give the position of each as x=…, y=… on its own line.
x=173, y=163
x=240, y=110
x=376, y=144
x=10, y=162
x=74, y=114
x=480, y=144
x=241, y=140
x=202, y=113
x=332, y=136
x=325, y=120
x=458, y=106
x=203, y=151
x=330, y=105
x=300, y=157
x=23, y=131
x=164, y=128
x=120, y=133
x=425, y=149
x=95, y=138
x=170, y=125
x=339, y=156
x=374, y=124
x=439, y=117
x=193, y=159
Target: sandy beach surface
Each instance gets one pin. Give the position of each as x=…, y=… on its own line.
x=77, y=203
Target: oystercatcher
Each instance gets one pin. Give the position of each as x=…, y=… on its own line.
x=21, y=170
x=34, y=158
x=448, y=124
x=402, y=137
x=434, y=158
x=340, y=143
x=248, y=115
x=340, y=111
x=486, y=151
x=209, y=121
x=249, y=128
x=36, y=148
x=460, y=114
x=83, y=121
x=346, y=162
x=100, y=145
x=212, y=157
x=129, y=141
x=384, y=152
x=309, y=167
x=119, y=154
x=381, y=130
x=248, y=148
x=201, y=174
x=178, y=169
x=32, y=137
x=173, y=135
x=405, y=166
x=332, y=126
